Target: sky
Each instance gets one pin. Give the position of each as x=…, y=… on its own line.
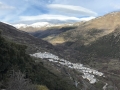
x=54, y=11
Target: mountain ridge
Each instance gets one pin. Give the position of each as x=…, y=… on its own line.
x=100, y=26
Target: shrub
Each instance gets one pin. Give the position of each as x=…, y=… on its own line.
x=42, y=87
x=17, y=81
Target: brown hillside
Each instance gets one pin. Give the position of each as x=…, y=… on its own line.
x=91, y=30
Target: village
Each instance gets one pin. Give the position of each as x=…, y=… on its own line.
x=88, y=73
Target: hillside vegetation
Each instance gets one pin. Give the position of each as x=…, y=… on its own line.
x=106, y=46
x=13, y=57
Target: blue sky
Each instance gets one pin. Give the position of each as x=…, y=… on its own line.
x=54, y=11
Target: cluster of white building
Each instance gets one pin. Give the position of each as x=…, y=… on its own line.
x=45, y=55
x=88, y=73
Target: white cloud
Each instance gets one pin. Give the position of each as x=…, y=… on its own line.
x=71, y=9
x=42, y=10
x=87, y=18
x=48, y=17
x=5, y=7
x=52, y=19
x=5, y=12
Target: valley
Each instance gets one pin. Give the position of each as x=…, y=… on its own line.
x=87, y=72
x=83, y=55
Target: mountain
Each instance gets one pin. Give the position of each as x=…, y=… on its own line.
x=106, y=46
x=13, y=46
x=89, y=31
x=47, y=65
x=85, y=54
x=94, y=43
x=104, y=54
x=34, y=44
x=46, y=32
x=83, y=32
x=13, y=60
x=44, y=25
x=37, y=26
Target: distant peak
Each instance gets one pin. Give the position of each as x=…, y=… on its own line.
x=35, y=25
x=40, y=25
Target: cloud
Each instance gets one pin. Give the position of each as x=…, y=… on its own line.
x=5, y=11
x=5, y=7
x=87, y=18
x=73, y=2
x=51, y=19
x=48, y=17
x=11, y=10
x=71, y=9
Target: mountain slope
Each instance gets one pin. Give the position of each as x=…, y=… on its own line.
x=83, y=32
x=39, y=26
x=106, y=46
x=13, y=57
x=88, y=32
x=22, y=37
x=104, y=54
x=40, y=71
x=94, y=43
x=33, y=44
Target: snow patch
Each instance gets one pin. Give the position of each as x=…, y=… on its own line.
x=40, y=25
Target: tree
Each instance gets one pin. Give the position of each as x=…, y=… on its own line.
x=17, y=81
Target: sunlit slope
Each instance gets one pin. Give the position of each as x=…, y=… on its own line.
x=89, y=31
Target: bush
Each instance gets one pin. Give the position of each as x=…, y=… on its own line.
x=42, y=87
x=17, y=81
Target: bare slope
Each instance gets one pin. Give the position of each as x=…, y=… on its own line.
x=89, y=31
